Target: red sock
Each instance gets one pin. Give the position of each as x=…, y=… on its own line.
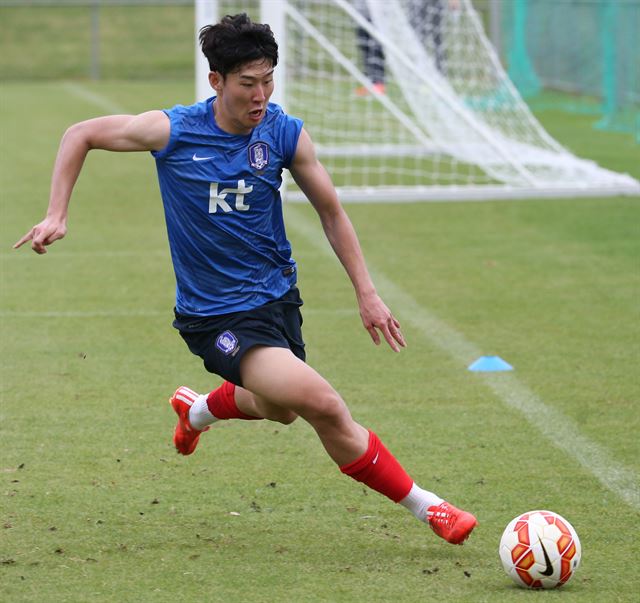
x=222, y=403
x=379, y=469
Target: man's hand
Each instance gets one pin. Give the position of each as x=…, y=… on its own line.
x=377, y=317
x=43, y=234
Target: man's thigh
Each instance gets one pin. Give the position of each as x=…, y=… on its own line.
x=276, y=376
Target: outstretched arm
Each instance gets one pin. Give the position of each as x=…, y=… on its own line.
x=316, y=184
x=145, y=132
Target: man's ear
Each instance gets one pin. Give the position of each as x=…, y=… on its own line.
x=216, y=81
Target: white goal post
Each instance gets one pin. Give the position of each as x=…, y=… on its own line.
x=406, y=100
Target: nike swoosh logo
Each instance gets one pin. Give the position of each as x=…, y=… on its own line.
x=549, y=569
x=375, y=460
x=196, y=158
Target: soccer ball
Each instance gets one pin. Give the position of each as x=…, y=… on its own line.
x=540, y=549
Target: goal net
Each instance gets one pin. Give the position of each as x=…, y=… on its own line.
x=407, y=100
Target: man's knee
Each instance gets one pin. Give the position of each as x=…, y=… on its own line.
x=326, y=408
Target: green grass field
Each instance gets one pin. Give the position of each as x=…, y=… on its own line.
x=96, y=505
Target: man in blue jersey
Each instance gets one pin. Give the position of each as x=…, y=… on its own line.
x=219, y=166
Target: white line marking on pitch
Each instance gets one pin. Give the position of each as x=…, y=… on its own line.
x=99, y=100
x=57, y=254
x=559, y=429
x=138, y=313
x=83, y=314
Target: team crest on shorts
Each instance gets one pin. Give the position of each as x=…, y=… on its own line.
x=259, y=155
x=227, y=343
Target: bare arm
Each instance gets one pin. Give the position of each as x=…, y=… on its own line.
x=316, y=184
x=145, y=132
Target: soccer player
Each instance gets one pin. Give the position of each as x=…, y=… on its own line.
x=219, y=165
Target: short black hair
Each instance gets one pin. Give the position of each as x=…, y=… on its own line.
x=235, y=41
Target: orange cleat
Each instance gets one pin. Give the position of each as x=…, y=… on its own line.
x=185, y=437
x=451, y=523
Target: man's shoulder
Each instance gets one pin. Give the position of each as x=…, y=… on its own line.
x=276, y=113
x=283, y=129
x=279, y=123
x=274, y=110
x=195, y=109
x=186, y=121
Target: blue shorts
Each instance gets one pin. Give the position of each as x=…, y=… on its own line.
x=221, y=341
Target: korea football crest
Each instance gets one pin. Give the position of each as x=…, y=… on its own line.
x=227, y=343
x=259, y=155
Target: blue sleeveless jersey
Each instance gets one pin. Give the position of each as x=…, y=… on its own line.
x=223, y=209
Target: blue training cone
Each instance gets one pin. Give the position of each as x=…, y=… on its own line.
x=489, y=364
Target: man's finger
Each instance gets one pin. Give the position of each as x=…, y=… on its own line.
x=396, y=331
x=39, y=241
x=398, y=336
x=390, y=338
x=24, y=239
x=38, y=247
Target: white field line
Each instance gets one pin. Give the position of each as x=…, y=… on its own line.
x=557, y=428
x=98, y=100
x=56, y=253
x=139, y=313
x=85, y=314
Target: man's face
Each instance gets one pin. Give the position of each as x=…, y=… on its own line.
x=243, y=96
